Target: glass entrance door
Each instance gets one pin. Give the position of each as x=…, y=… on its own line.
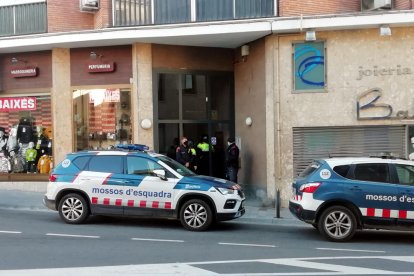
x=199, y=106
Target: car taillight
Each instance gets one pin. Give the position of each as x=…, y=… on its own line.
x=52, y=178
x=309, y=187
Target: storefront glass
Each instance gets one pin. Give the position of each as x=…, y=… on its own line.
x=102, y=118
x=26, y=134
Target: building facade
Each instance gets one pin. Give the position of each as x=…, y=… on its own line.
x=291, y=80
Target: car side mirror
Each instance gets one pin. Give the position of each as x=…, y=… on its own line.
x=160, y=173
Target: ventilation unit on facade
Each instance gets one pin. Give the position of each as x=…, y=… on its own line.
x=89, y=5
x=372, y=5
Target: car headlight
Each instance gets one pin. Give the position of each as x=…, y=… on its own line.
x=225, y=191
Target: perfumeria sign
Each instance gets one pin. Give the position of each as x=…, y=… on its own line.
x=101, y=67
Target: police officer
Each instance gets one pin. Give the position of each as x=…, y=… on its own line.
x=193, y=160
x=182, y=153
x=203, y=149
x=232, y=160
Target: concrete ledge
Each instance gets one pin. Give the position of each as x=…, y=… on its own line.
x=24, y=186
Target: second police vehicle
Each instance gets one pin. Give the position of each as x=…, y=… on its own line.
x=135, y=182
x=340, y=195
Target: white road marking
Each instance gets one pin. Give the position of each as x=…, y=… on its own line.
x=125, y=270
x=190, y=269
x=351, y=250
x=156, y=240
x=10, y=232
x=72, y=236
x=247, y=244
x=342, y=269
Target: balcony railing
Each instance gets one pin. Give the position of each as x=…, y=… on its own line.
x=147, y=12
x=23, y=19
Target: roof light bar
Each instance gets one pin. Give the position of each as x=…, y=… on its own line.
x=132, y=147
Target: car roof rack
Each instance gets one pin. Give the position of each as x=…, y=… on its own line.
x=132, y=147
x=385, y=155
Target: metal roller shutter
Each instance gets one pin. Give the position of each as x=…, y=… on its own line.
x=311, y=143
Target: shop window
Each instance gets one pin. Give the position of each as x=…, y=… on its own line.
x=102, y=118
x=25, y=134
x=309, y=67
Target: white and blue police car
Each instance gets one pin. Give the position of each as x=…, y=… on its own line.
x=341, y=195
x=132, y=181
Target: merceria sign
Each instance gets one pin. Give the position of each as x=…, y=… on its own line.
x=17, y=104
x=101, y=67
x=26, y=71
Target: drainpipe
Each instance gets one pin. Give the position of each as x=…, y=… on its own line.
x=278, y=123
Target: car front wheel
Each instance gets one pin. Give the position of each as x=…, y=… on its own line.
x=196, y=215
x=73, y=209
x=337, y=223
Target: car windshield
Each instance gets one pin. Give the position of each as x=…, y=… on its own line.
x=182, y=170
x=310, y=169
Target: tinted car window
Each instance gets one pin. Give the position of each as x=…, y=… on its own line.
x=310, y=169
x=372, y=172
x=143, y=166
x=342, y=170
x=81, y=162
x=109, y=164
x=405, y=174
x=181, y=169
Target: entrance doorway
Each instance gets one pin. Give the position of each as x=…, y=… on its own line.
x=194, y=105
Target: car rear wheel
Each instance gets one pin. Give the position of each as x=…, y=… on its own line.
x=73, y=209
x=337, y=223
x=196, y=215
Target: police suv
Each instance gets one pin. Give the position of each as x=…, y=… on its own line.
x=340, y=195
x=132, y=181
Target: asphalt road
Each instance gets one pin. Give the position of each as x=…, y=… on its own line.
x=37, y=242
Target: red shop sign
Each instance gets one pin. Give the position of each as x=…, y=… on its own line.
x=101, y=67
x=25, y=71
x=17, y=104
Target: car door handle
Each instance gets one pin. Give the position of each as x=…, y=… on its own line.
x=356, y=188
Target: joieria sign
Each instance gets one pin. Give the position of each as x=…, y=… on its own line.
x=383, y=71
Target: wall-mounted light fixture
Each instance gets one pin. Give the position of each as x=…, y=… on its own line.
x=310, y=35
x=94, y=55
x=245, y=50
x=16, y=60
x=146, y=124
x=385, y=30
x=249, y=121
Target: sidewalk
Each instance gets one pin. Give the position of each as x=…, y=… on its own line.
x=32, y=200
